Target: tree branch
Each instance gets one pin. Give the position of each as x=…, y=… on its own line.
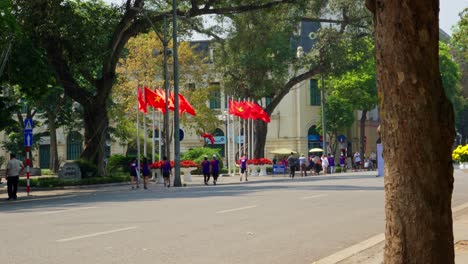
x=63, y=73
x=287, y=87
x=234, y=9
x=202, y=30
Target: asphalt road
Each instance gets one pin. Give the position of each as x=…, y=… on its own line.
x=281, y=221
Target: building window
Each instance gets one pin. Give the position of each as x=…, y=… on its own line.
x=268, y=101
x=215, y=96
x=314, y=92
x=74, y=145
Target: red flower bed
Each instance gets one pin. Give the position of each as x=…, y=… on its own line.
x=158, y=164
x=183, y=163
x=260, y=161
x=188, y=163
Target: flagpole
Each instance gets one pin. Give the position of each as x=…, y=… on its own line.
x=153, y=146
x=144, y=130
x=227, y=142
x=138, y=138
x=249, y=124
x=159, y=136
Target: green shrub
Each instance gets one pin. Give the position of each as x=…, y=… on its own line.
x=197, y=155
x=52, y=182
x=119, y=163
x=88, y=169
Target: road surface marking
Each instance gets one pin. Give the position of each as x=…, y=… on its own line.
x=96, y=234
x=313, y=196
x=236, y=209
x=66, y=210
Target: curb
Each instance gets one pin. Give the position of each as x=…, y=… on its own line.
x=367, y=244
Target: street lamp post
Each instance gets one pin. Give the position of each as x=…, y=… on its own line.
x=177, y=179
x=324, y=127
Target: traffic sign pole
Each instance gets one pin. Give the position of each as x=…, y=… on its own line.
x=28, y=163
x=28, y=141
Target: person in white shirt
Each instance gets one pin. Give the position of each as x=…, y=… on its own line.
x=324, y=164
x=302, y=165
x=357, y=160
x=13, y=171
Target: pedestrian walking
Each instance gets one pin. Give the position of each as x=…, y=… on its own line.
x=302, y=165
x=215, y=168
x=331, y=163
x=166, y=172
x=292, y=165
x=145, y=171
x=373, y=159
x=134, y=174
x=317, y=164
x=311, y=164
x=324, y=164
x=13, y=171
x=357, y=160
x=342, y=162
x=243, y=167
x=206, y=169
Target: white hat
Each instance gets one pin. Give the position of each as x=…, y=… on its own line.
x=214, y=155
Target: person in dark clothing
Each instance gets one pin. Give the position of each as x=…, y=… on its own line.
x=243, y=167
x=145, y=171
x=292, y=165
x=13, y=171
x=166, y=172
x=206, y=170
x=133, y=173
x=215, y=169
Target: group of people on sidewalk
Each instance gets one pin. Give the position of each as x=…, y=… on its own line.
x=210, y=168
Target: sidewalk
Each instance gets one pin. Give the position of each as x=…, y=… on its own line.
x=373, y=254
x=197, y=180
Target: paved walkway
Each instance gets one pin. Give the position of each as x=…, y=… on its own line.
x=197, y=180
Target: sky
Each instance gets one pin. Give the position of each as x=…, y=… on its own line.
x=448, y=15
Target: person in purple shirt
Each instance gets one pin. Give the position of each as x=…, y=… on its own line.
x=134, y=173
x=215, y=168
x=145, y=171
x=331, y=163
x=243, y=167
x=166, y=172
x=342, y=162
x=206, y=170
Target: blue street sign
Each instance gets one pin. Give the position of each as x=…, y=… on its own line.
x=341, y=138
x=28, y=125
x=28, y=139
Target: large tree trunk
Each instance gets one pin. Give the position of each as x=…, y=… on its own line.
x=54, y=161
x=261, y=129
x=362, y=125
x=96, y=122
x=417, y=128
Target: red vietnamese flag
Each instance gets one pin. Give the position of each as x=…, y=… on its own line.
x=141, y=101
x=170, y=104
x=238, y=109
x=154, y=99
x=209, y=136
x=185, y=106
x=257, y=112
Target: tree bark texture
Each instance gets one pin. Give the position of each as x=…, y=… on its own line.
x=362, y=124
x=417, y=126
x=54, y=161
x=96, y=123
x=261, y=129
